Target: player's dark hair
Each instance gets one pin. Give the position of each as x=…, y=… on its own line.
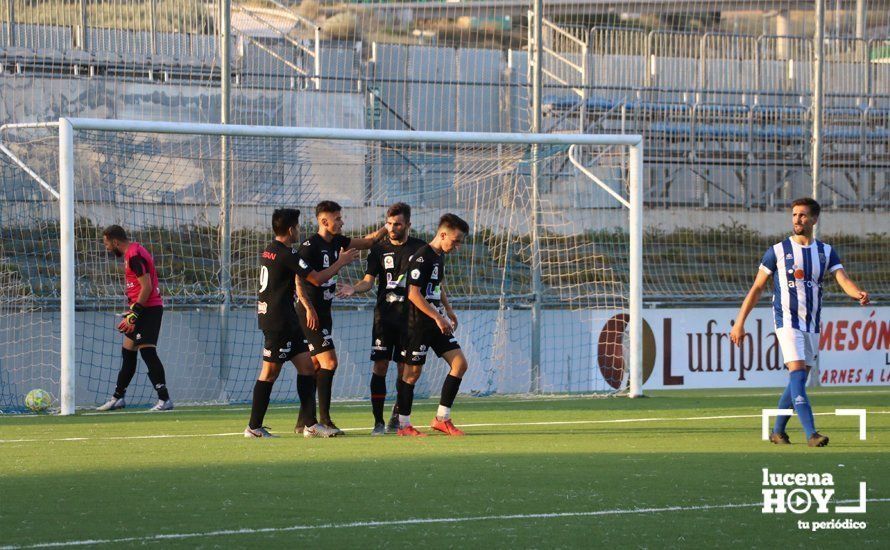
x=399, y=209
x=115, y=232
x=453, y=221
x=814, y=207
x=283, y=219
x=327, y=206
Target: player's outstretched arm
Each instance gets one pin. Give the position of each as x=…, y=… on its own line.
x=448, y=311
x=851, y=288
x=368, y=240
x=427, y=308
x=345, y=258
x=346, y=290
x=738, y=329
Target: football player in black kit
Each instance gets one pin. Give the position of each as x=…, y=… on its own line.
x=320, y=252
x=431, y=324
x=277, y=318
x=387, y=263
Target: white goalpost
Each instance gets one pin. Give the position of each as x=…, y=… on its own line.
x=586, y=254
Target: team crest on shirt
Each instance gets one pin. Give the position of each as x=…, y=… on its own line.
x=388, y=262
x=415, y=274
x=326, y=261
x=435, y=274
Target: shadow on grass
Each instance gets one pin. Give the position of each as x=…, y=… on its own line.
x=215, y=485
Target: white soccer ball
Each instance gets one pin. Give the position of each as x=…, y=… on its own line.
x=38, y=400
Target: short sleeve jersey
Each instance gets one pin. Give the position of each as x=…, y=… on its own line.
x=426, y=269
x=798, y=273
x=389, y=263
x=138, y=262
x=317, y=254
x=279, y=264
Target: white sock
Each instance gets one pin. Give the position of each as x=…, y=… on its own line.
x=404, y=420
x=444, y=412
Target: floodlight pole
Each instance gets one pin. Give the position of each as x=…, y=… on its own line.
x=818, y=61
x=10, y=23
x=225, y=207
x=537, y=291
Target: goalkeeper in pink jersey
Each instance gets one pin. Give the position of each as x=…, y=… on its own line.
x=141, y=324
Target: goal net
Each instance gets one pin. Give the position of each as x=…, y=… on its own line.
x=542, y=286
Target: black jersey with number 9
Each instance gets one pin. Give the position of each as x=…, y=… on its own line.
x=279, y=264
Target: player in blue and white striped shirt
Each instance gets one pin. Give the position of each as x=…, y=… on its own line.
x=798, y=266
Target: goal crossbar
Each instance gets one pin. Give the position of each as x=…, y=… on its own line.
x=68, y=127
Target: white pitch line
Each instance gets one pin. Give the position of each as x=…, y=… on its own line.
x=403, y=522
x=467, y=401
x=479, y=425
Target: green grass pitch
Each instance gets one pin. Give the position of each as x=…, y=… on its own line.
x=677, y=469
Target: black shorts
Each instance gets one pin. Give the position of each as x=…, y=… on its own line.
x=321, y=339
x=282, y=346
x=148, y=326
x=416, y=344
x=386, y=337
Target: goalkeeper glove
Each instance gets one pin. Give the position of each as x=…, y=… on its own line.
x=128, y=323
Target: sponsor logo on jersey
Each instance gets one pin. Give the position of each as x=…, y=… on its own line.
x=262, y=308
x=420, y=260
x=269, y=255
x=433, y=292
x=789, y=256
x=389, y=281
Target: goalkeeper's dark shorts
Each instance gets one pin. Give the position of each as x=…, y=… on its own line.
x=147, y=327
x=282, y=346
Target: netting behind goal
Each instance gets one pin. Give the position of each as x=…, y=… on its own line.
x=166, y=191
